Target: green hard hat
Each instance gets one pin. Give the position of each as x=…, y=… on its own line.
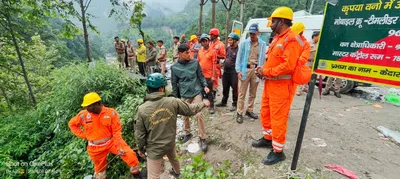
x=204, y=36
x=156, y=80
x=233, y=36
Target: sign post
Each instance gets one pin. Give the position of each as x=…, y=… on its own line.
x=237, y=27
x=360, y=40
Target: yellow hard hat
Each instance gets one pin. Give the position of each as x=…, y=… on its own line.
x=140, y=41
x=298, y=27
x=123, y=40
x=192, y=37
x=282, y=12
x=90, y=98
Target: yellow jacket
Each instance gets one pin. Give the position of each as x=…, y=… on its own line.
x=141, y=53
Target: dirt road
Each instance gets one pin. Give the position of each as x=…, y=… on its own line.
x=346, y=125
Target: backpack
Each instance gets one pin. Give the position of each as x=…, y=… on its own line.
x=302, y=74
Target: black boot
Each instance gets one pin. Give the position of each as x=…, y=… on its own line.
x=212, y=111
x=187, y=138
x=172, y=172
x=203, y=145
x=239, y=118
x=273, y=158
x=251, y=115
x=262, y=143
x=325, y=93
x=338, y=95
x=221, y=104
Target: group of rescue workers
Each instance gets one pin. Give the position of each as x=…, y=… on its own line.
x=194, y=79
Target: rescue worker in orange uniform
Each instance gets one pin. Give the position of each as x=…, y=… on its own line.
x=219, y=47
x=299, y=28
x=283, y=53
x=102, y=129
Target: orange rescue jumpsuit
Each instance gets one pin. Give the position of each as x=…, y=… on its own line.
x=283, y=54
x=305, y=55
x=221, y=51
x=103, y=132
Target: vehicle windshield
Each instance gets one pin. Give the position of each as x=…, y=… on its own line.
x=263, y=35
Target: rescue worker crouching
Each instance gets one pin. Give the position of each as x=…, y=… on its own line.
x=102, y=129
x=155, y=128
x=283, y=53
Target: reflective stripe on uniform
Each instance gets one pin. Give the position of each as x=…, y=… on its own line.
x=82, y=118
x=112, y=114
x=300, y=41
x=282, y=77
x=267, y=132
x=101, y=142
x=277, y=144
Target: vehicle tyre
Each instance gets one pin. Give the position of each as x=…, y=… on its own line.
x=346, y=86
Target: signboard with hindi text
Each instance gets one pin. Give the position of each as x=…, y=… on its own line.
x=360, y=40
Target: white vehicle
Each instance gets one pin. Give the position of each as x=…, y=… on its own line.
x=312, y=23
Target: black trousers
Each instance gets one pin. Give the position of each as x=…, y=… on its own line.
x=142, y=68
x=230, y=80
x=210, y=95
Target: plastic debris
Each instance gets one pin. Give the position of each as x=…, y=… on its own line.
x=387, y=133
x=367, y=102
x=348, y=110
x=339, y=169
x=319, y=142
x=193, y=148
x=393, y=99
x=377, y=106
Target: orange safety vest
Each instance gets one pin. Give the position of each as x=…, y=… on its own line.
x=97, y=127
x=283, y=54
x=305, y=54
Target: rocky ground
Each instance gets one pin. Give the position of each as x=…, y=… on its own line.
x=347, y=125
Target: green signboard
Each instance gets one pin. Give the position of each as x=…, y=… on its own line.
x=360, y=40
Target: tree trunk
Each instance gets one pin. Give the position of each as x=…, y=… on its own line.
x=24, y=72
x=213, y=14
x=85, y=32
x=241, y=10
x=200, y=16
x=227, y=27
x=6, y=98
x=141, y=31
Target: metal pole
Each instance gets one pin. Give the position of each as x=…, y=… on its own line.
x=303, y=123
x=311, y=7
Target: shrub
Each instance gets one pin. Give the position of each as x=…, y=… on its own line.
x=42, y=136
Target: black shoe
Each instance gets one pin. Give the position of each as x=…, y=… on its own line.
x=212, y=111
x=338, y=95
x=325, y=93
x=233, y=108
x=203, y=145
x=140, y=175
x=172, y=172
x=239, y=118
x=136, y=176
x=187, y=138
x=251, y=115
x=273, y=158
x=221, y=104
x=262, y=143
